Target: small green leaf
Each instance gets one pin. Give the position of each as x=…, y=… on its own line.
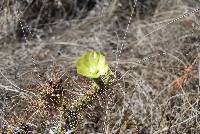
x=92, y=65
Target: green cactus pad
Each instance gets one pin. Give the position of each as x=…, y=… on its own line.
x=92, y=65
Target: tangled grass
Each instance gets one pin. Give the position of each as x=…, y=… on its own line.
x=157, y=91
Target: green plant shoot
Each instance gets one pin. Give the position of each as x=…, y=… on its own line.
x=92, y=65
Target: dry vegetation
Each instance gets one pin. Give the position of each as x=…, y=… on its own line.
x=158, y=87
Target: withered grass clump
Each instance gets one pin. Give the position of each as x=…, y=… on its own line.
x=60, y=102
x=159, y=85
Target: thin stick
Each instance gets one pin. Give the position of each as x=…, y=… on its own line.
x=199, y=71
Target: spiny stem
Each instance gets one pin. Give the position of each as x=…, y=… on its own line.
x=100, y=84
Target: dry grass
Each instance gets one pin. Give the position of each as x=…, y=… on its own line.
x=158, y=91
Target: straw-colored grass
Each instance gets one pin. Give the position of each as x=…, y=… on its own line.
x=157, y=67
